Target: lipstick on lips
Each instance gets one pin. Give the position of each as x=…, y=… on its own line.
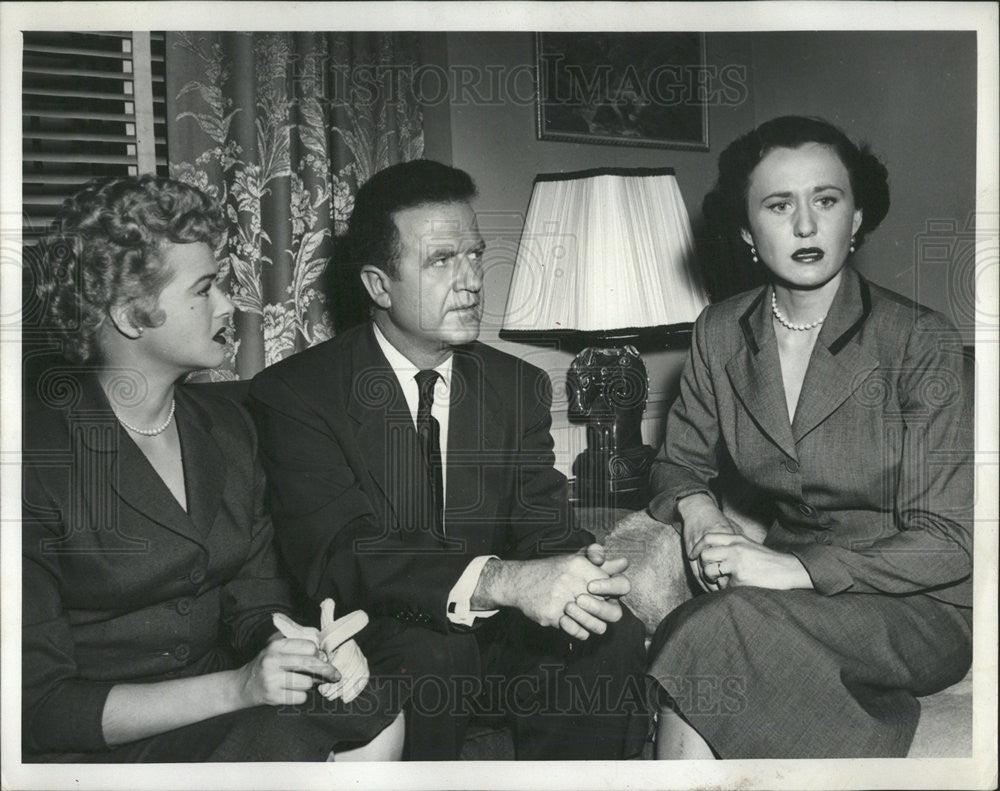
x=807, y=255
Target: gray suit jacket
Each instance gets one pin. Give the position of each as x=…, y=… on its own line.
x=871, y=484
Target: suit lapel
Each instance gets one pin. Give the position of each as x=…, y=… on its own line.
x=96, y=437
x=129, y=473
x=387, y=438
x=755, y=373
x=385, y=431
x=475, y=433
x=137, y=484
x=205, y=469
x=838, y=365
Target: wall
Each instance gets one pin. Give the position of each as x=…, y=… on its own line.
x=496, y=143
x=911, y=94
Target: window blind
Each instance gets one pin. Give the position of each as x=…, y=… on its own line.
x=93, y=105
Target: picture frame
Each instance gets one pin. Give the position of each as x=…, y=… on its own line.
x=626, y=89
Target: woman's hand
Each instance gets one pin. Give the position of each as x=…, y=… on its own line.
x=701, y=516
x=727, y=559
x=283, y=672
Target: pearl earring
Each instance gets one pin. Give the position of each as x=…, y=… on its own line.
x=753, y=254
x=852, y=243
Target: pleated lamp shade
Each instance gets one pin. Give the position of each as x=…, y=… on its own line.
x=604, y=251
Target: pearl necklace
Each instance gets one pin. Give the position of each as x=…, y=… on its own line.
x=785, y=322
x=151, y=432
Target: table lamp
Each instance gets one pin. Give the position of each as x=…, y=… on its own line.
x=606, y=258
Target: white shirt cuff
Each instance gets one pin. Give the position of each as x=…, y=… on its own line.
x=460, y=596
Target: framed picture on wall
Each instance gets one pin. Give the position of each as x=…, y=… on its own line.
x=631, y=89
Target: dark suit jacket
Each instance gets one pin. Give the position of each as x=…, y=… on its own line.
x=120, y=583
x=341, y=455
x=871, y=483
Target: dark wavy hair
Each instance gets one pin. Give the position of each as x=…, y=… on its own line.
x=102, y=250
x=725, y=207
x=372, y=236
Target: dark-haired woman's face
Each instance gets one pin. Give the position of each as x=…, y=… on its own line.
x=801, y=214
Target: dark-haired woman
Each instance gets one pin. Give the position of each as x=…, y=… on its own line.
x=840, y=403
x=149, y=578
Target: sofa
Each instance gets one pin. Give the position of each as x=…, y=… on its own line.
x=661, y=583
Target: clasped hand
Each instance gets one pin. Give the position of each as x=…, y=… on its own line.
x=577, y=593
x=702, y=520
x=725, y=559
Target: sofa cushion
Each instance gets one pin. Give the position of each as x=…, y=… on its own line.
x=657, y=568
x=945, y=727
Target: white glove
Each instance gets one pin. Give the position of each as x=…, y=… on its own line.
x=334, y=639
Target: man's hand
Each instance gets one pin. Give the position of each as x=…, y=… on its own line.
x=701, y=516
x=595, y=554
x=591, y=611
x=566, y=591
x=556, y=592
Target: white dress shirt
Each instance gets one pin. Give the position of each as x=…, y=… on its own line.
x=460, y=596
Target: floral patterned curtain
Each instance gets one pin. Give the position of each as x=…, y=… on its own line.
x=282, y=129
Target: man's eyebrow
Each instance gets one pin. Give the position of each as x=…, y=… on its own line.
x=447, y=249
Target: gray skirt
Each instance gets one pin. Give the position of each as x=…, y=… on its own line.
x=765, y=673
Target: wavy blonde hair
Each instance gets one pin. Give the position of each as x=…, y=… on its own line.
x=103, y=250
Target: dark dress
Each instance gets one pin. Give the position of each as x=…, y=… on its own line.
x=121, y=584
x=870, y=488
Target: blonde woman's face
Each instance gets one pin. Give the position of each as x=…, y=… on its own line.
x=195, y=311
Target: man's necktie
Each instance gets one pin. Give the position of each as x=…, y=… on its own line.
x=429, y=432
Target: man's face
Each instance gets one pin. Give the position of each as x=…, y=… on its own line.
x=435, y=300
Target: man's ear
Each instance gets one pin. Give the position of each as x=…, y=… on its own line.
x=121, y=316
x=377, y=284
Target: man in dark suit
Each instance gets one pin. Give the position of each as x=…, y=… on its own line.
x=411, y=475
